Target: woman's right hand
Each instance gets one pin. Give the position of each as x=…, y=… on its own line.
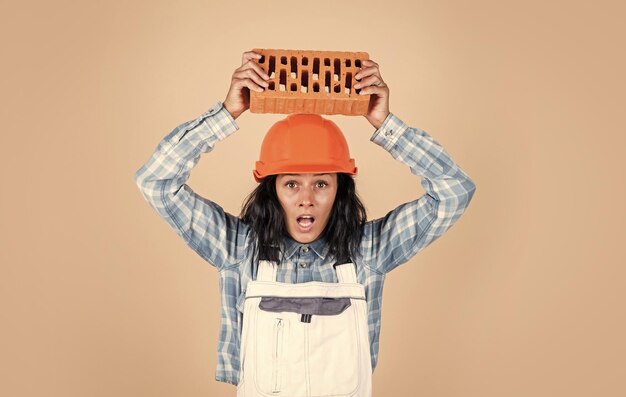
x=249, y=76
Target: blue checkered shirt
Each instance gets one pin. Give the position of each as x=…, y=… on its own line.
x=226, y=242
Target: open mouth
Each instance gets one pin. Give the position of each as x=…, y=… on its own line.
x=305, y=222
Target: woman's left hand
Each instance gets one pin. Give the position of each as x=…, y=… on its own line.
x=371, y=82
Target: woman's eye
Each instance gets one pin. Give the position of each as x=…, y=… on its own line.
x=322, y=184
x=290, y=185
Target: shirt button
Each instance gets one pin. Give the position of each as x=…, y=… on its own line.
x=389, y=132
x=302, y=264
x=305, y=249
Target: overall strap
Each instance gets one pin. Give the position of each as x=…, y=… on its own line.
x=267, y=271
x=346, y=272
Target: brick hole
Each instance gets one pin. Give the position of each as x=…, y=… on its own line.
x=316, y=68
x=294, y=67
x=337, y=89
x=337, y=68
x=294, y=87
x=283, y=80
x=304, y=81
x=348, y=63
x=305, y=61
x=271, y=86
x=262, y=59
x=283, y=60
x=348, y=82
x=327, y=81
x=316, y=87
x=272, y=68
x=357, y=63
x=326, y=61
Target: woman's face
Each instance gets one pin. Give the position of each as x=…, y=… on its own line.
x=307, y=200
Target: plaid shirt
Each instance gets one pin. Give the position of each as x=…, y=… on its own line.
x=225, y=242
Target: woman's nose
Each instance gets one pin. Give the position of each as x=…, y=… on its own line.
x=306, y=198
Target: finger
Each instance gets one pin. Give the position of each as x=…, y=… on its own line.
x=367, y=72
x=372, y=89
x=245, y=82
x=249, y=55
x=369, y=62
x=250, y=74
x=256, y=67
x=370, y=81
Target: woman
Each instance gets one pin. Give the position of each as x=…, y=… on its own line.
x=306, y=220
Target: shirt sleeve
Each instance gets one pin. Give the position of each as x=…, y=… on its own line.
x=395, y=238
x=215, y=235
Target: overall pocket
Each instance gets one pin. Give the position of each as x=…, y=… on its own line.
x=333, y=353
x=271, y=348
x=278, y=351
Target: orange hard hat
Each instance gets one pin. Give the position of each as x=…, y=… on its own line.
x=304, y=143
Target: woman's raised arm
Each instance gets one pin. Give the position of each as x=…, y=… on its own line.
x=395, y=238
x=218, y=237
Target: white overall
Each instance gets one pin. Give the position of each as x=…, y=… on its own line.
x=305, y=339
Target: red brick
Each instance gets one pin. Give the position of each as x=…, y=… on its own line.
x=292, y=73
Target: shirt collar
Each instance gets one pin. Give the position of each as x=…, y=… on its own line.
x=319, y=247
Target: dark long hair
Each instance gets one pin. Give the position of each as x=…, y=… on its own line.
x=263, y=212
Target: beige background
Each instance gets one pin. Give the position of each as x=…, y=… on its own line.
x=524, y=296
